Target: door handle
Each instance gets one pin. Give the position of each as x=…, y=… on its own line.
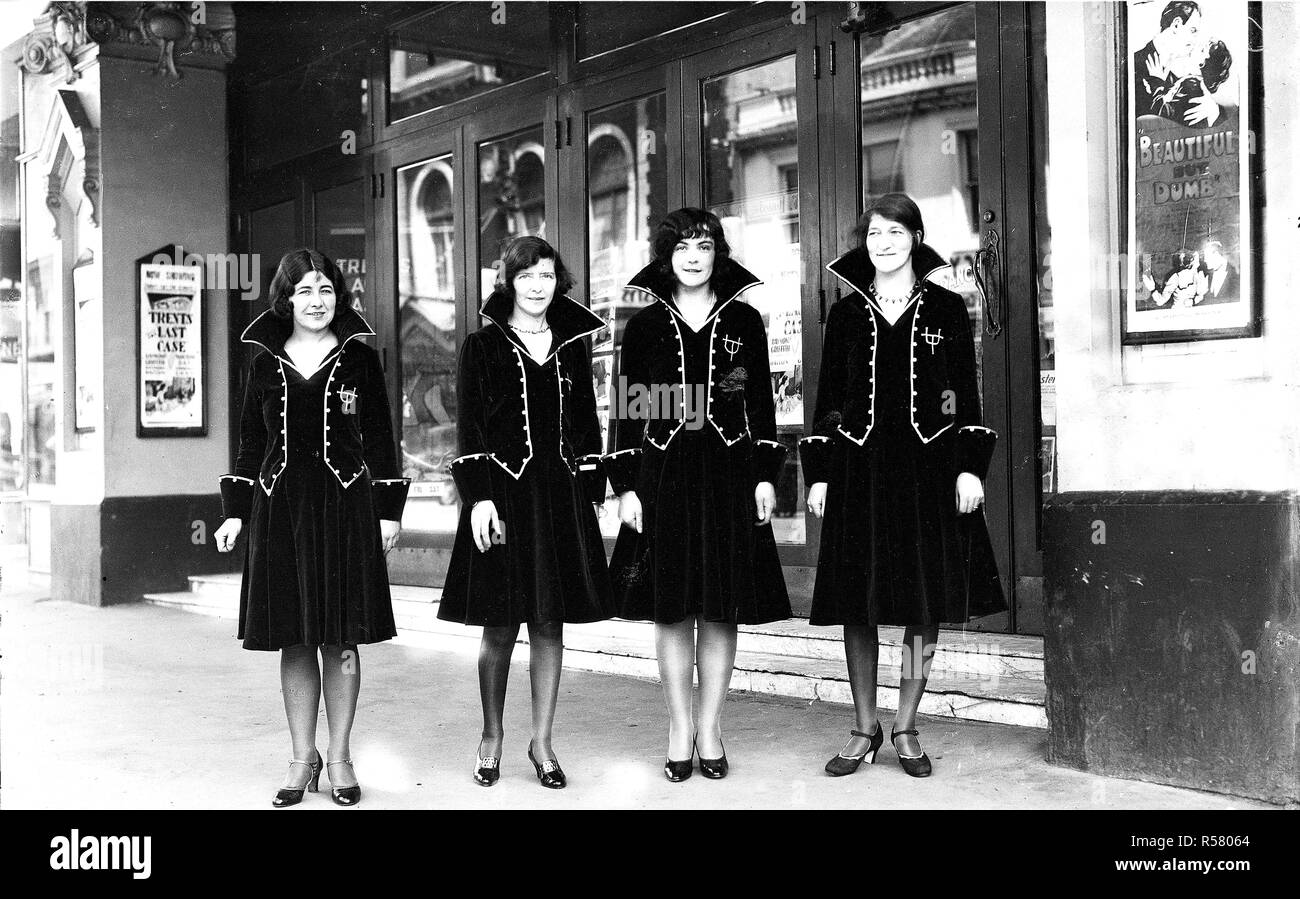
x=988, y=281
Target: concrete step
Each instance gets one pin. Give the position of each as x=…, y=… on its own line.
x=980, y=677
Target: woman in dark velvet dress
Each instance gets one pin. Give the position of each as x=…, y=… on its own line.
x=528, y=548
x=694, y=463
x=896, y=463
x=318, y=481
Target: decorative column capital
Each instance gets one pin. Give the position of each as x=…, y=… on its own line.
x=197, y=35
x=57, y=41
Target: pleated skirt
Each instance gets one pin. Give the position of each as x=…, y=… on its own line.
x=314, y=572
x=894, y=551
x=701, y=551
x=551, y=567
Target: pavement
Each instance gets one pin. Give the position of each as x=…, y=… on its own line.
x=141, y=707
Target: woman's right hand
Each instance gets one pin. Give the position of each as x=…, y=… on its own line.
x=228, y=533
x=817, y=499
x=629, y=510
x=482, y=522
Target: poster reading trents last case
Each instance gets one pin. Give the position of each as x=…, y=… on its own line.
x=171, y=341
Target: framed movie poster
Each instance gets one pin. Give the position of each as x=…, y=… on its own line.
x=1192, y=224
x=169, y=346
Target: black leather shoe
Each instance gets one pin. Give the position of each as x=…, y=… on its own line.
x=549, y=772
x=714, y=769
x=285, y=798
x=487, y=770
x=343, y=795
x=916, y=765
x=843, y=764
x=680, y=771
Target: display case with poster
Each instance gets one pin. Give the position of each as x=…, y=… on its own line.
x=169, y=347
x=1193, y=159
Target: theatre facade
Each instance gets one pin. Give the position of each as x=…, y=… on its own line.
x=1120, y=222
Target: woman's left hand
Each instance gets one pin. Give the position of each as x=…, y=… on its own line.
x=388, y=531
x=764, y=501
x=970, y=493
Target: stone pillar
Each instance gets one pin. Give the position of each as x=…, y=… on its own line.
x=125, y=151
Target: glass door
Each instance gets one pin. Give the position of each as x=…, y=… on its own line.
x=512, y=151
x=937, y=106
x=621, y=165
x=753, y=160
x=447, y=206
x=422, y=219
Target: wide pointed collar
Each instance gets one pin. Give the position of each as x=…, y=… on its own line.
x=270, y=331
x=730, y=280
x=569, y=320
x=855, y=268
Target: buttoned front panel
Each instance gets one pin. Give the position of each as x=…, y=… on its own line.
x=934, y=398
x=333, y=433
x=859, y=414
x=666, y=396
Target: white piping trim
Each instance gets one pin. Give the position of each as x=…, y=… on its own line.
x=325, y=402
x=528, y=435
x=773, y=442
x=977, y=428
x=235, y=477
x=635, y=449
x=284, y=422
x=681, y=370
x=559, y=440
x=323, y=362
x=816, y=437
x=557, y=347
x=466, y=458
x=911, y=372
x=390, y=480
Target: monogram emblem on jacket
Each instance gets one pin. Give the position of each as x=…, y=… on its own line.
x=932, y=339
x=349, y=397
x=732, y=345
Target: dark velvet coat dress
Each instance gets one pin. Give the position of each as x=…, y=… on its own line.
x=529, y=441
x=897, y=419
x=693, y=432
x=316, y=471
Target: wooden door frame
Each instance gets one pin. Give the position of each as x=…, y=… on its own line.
x=737, y=55
x=575, y=102
x=1011, y=358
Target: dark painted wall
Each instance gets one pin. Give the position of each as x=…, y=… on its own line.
x=1172, y=648
x=148, y=545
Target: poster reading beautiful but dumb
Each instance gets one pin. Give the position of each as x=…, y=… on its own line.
x=1189, y=249
x=171, y=347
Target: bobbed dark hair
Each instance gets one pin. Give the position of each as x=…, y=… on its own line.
x=1217, y=65
x=525, y=252
x=895, y=208
x=297, y=264
x=684, y=223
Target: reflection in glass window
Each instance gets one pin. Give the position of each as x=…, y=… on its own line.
x=920, y=135
x=426, y=321
x=40, y=434
x=465, y=50
x=511, y=197
x=627, y=195
x=751, y=182
x=341, y=235
x=882, y=172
